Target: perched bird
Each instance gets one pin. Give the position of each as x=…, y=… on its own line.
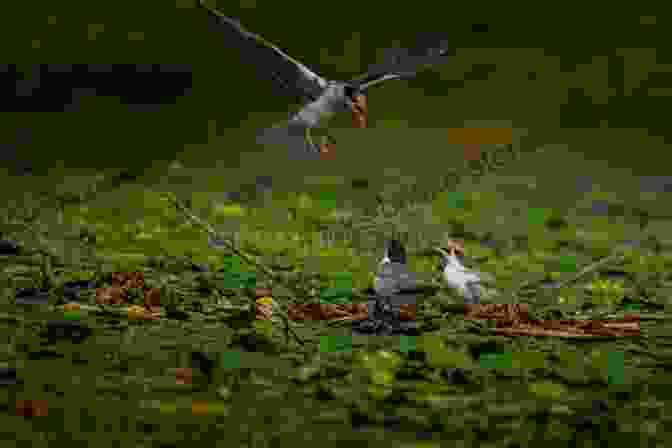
x=393, y=275
x=394, y=285
x=324, y=98
x=468, y=282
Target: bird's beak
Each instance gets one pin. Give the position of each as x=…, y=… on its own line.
x=360, y=111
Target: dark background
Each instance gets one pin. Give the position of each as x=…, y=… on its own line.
x=132, y=84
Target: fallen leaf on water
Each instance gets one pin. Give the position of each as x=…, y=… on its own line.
x=32, y=408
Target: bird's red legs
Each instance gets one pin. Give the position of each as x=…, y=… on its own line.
x=360, y=119
x=309, y=139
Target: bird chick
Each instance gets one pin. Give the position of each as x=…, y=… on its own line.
x=467, y=282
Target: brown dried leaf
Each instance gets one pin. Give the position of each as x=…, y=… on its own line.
x=113, y=295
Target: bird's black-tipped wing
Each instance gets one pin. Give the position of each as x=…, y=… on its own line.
x=392, y=278
x=285, y=70
x=402, y=63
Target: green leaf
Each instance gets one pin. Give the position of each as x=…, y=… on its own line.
x=440, y=356
x=72, y=315
x=327, y=201
x=80, y=275
x=236, y=280
x=547, y=389
x=537, y=216
x=378, y=391
x=335, y=344
x=227, y=211
x=571, y=358
x=126, y=262
x=568, y=263
x=496, y=360
x=616, y=369
x=231, y=359
x=337, y=301
x=528, y=360
x=167, y=408
x=407, y=343
x=263, y=328
x=385, y=359
x=333, y=293
x=456, y=200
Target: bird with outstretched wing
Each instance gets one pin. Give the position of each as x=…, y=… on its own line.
x=323, y=98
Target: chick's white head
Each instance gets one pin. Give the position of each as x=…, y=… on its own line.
x=457, y=276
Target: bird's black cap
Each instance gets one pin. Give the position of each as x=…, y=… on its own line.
x=396, y=251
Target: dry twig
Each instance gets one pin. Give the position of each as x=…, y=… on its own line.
x=229, y=245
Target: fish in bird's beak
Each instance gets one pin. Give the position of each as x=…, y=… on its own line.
x=327, y=151
x=454, y=247
x=360, y=111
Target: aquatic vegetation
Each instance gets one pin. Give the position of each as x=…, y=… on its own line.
x=227, y=210
x=208, y=298
x=606, y=291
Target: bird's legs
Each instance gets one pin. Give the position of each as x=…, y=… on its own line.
x=309, y=139
x=327, y=141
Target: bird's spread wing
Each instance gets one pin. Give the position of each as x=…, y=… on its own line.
x=287, y=71
x=402, y=63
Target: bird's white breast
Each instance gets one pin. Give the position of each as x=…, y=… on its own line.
x=458, y=277
x=323, y=108
x=455, y=277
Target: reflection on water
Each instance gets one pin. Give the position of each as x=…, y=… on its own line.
x=584, y=184
x=656, y=184
x=600, y=207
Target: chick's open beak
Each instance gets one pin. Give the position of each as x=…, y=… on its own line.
x=360, y=111
x=452, y=251
x=455, y=247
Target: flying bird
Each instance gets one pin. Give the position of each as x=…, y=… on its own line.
x=323, y=98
